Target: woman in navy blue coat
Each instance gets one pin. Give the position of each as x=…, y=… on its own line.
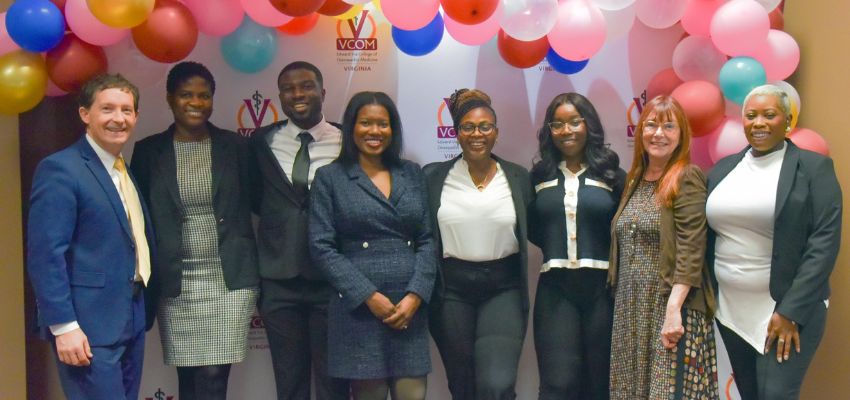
x=370, y=235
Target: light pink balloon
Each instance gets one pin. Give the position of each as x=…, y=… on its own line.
x=264, y=13
x=727, y=139
x=613, y=5
x=809, y=140
x=53, y=90
x=88, y=28
x=660, y=14
x=529, y=20
x=700, y=154
x=410, y=14
x=356, y=1
x=216, y=18
x=6, y=42
x=697, y=18
x=780, y=55
x=474, y=35
x=696, y=58
x=618, y=22
x=739, y=27
x=580, y=30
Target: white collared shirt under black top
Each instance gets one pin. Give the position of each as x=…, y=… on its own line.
x=573, y=216
x=476, y=225
x=324, y=148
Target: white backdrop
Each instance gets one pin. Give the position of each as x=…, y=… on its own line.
x=614, y=80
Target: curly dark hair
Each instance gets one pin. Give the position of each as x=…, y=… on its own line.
x=462, y=101
x=186, y=70
x=602, y=162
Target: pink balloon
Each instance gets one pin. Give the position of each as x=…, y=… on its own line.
x=697, y=18
x=780, y=55
x=53, y=90
x=264, y=13
x=700, y=154
x=727, y=139
x=474, y=35
x=809, y=140
x=660, y=14
x=703, y=104
x=88, y=28
x=410, y=15
x=6, y=42
x=695, y=57
x=579, y=31
x=216, y=18
x=739, y=27
x=664, y=82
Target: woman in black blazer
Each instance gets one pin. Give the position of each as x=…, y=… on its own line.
x=578, y=184
x=774, y=212
x=196, y=179
x=478, y=204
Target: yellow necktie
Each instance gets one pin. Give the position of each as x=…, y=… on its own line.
x=137, y=221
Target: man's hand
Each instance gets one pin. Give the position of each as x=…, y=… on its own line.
x=73, y=348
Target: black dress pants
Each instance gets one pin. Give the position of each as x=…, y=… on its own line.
x=759, y=376
x=295, y=315
x=573, y=315
x=478, y=325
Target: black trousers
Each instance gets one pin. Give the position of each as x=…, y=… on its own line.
x=759, y=376
x=478, y=325
x=573, y=315
x=295, y=315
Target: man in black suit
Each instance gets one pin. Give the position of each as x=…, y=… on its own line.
x=294, y=294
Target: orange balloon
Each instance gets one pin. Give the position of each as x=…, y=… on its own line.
x=332, y=8
x=522, y=54
x=169, y=34
x=299, y=25
x=73, y=62
x=297, y=8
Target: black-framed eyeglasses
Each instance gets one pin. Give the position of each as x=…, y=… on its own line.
x=572, y=125
x=485, y=128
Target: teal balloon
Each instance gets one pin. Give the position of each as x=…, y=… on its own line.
x=250, y=48
x=740, y=75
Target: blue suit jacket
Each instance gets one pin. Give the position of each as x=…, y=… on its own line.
x=81, y=256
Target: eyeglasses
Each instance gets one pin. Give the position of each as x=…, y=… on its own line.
x=651, y=127
x=573, y=124
x=485, y=128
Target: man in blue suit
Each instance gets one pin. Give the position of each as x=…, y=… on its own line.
x=87, y=250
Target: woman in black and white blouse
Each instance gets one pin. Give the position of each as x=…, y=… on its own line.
x=478, y=201
x=578, y=184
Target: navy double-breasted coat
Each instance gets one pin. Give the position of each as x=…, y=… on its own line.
x=364, y=242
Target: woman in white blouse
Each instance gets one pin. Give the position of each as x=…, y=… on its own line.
x=480, y=308
x=775, y=216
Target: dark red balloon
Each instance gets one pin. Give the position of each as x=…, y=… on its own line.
x=777, y=20
x=169, y=34
x=73, y=62
x=522, y=54
x=297, y=8
x=333, y=8
x=299, y=25
x=469, y=12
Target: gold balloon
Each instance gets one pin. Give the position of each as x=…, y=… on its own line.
x=23, y=81
x=121, y=13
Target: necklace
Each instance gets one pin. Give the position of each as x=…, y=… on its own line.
x=487, y=177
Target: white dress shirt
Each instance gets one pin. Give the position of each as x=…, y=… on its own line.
x=324, y=148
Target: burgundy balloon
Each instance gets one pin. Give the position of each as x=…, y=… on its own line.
x=169, y=34
x=73, y=62
x=297, y=8
x=522, y=54
x=333, y=8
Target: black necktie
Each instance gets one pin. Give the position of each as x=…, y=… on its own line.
x=301, y=166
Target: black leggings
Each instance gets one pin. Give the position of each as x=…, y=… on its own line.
x=478, y=325
x=208, y=382
x=572, y=334
x=408, y=388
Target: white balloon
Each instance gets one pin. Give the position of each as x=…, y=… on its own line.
x=356, y=1
x=619, y=22
x=613, y=5
x=529, y=20
x=769, y=5
x=727, y=139
x=660, y=14
x=696, y=58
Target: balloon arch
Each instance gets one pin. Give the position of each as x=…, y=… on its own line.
x=50, y=47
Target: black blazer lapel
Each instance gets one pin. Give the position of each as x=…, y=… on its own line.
x=787, y=173
x=166, y=165
x=223, y=161
x=267, y=159
x=356, y=173
x=516, y=196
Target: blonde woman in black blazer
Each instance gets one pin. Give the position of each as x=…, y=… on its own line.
x=196, y=179
x=774, y=212
x=478, y=204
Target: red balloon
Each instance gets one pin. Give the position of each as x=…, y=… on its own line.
x=703, y=104
x=297, y=8
x=169, y=34
x=664, y=82
x=777, y=20
x=73, y=62
x=522, y=54
x=809, y=140
x=469, y=12
x=333, y=8
x=299, y=25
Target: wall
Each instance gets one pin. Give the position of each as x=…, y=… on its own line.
x=822, y=80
